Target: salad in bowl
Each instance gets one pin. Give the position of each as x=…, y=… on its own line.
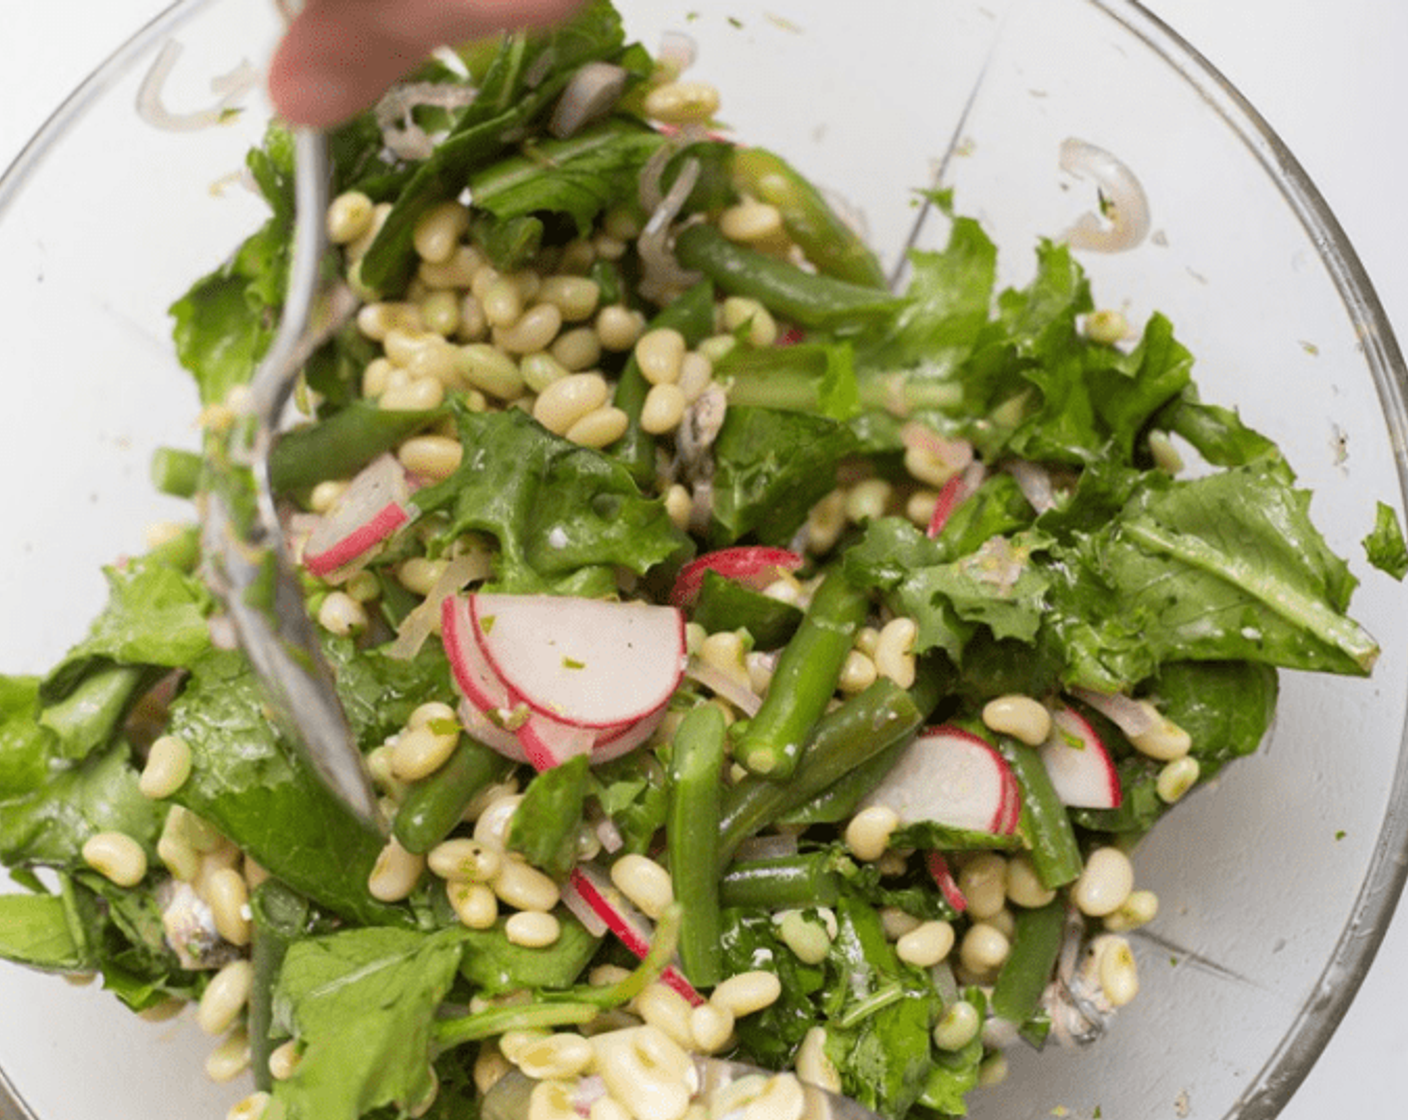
x=755, y=654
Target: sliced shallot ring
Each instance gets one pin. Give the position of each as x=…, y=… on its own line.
x=1124, y=221
x=721, y=684
x=591, y=93
x=1034, y=481
x=228, y=88
x=419, y=624
x=660, y=269
x=1133, y=717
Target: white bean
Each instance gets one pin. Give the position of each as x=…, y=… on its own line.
x=395, y=873
x=225, y=996
x=167, y=768
x=227, y=895
x=1119, y=975
x=645, y=883
x=983, y=881
x=926, y=945
x=567, y=400
x=463, y=860
x=116, y=856
x=474, y=904
x=228, y=1060
x=557, y=1056
x=1104, y=884
x=665, y=1009
x=1023, y=718
x=812, y=1064
x=747, y=992
x=523, y=886
x=599, y=428
x=532, y=929
x=868, y=833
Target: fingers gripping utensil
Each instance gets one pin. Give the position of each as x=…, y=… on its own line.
x=242, y=533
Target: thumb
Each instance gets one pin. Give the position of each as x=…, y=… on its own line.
x=339, y=56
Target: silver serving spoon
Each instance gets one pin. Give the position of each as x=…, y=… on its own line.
x=509, y=1097
x=243, y=538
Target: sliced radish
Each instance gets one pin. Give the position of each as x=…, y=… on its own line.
x=490, y=731
x=753, y=566
x=586, y=662
x=954, y=493
x=1011, y=804
x=950, y=777
x=594, y=888
x=943, y=878
x=1081, y=770
x=475, y=677
x=370, y=510
x=563, y=708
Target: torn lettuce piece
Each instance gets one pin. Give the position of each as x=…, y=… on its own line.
x=564, y=516
x=1384, y=546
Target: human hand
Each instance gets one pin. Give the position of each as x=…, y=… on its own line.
x=339, y=56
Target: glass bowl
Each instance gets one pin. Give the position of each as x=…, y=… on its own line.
x=1276, y=883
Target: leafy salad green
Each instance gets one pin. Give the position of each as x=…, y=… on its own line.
x=904, y=508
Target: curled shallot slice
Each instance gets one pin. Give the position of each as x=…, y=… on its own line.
x=1123, y=221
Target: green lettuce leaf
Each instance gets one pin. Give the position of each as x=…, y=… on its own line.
x=362, y=1002
x=564, y=516
x=50, y=824
x=1384, y=546
x=521, y=80
x=578, y=177
x=770, y=468
x=248, y=783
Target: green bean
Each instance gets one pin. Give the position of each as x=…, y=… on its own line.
x=693, y=316
x=839, y=800
x=340, y=445
x=828, y=242
x=801, y=880
x=692, y=839
x=804, y=679
x=843, y=739
x=797, y=377
x=1027, y=970
x=280, y=918
x=176, y=472
x=434, y=805
x=791, y=292
x=1044, y=825
x=610, y=285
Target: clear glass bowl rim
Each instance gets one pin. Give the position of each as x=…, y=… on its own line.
x=1358, y=943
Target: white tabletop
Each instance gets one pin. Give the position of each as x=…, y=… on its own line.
x=1330, y=77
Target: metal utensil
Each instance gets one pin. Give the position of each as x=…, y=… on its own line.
x=508, y=1099
x=242, y=533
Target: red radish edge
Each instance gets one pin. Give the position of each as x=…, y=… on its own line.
x=943, y=879
x=621, y=919
x=382, y=482
x=754, y=566
x=914, y=786
x=1084, y=777
x=362, y=539
x=539, y=739
x=520, y=695
x=954, y=493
